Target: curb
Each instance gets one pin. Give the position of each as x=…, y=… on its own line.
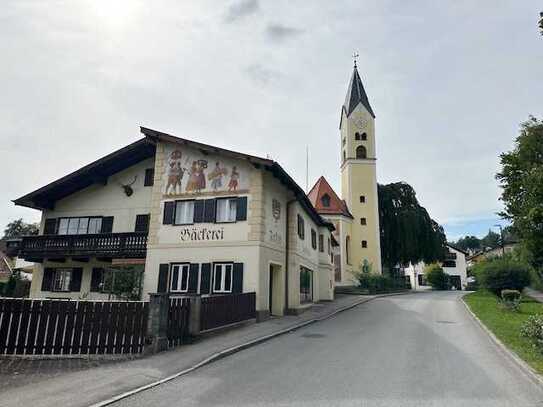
x=535, y=377
x=232, y=350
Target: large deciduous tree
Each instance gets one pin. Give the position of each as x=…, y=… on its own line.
x=521, y=178
x=18, y=228
x=408, y=234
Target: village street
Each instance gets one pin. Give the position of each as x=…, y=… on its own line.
x=419, y=349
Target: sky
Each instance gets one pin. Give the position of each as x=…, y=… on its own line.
x=449, y=82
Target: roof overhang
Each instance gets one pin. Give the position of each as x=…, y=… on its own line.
x=93, y=173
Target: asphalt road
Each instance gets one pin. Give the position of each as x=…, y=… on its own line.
x=412, y=350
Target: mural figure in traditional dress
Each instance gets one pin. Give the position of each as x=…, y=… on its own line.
x=234, y=179
x=216, y=176
x=175, y=173
x=197, y=179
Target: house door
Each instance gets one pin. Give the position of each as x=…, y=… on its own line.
x=455, y=282
x=270, y=294
x=276, y=290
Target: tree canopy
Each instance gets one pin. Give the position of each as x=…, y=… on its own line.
x=521, y=178
x=19, y=227
x=408, y=234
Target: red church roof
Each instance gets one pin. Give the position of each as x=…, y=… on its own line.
x=335, y=206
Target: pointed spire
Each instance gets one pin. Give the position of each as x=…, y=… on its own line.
x=356, y=94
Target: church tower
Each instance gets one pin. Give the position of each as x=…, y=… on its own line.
x=358, y=176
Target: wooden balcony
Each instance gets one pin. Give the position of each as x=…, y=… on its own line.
x=107, y=246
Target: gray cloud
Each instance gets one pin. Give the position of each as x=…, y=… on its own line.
x=262, y=75
x=281, y=33
x=241, y=9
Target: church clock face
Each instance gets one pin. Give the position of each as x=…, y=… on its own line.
x=360, y=123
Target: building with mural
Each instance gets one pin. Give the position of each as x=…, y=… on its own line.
x=355, y=214
x=184, y=217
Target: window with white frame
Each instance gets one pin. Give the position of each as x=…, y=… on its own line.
x=79, y=226
x=184, y=212
x=226, y=210
x=179, y=281
x=63, y=277
x=222, y=277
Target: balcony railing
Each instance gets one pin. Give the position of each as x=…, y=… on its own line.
x=108, y=245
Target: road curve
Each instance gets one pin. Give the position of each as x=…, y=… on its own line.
x=419, y=349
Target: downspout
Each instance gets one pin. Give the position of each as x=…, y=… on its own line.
x=286, y=252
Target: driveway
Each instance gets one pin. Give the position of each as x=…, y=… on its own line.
x=419, y=349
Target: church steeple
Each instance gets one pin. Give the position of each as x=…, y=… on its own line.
x=356, y=94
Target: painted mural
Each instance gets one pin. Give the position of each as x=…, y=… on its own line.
x=190, y=173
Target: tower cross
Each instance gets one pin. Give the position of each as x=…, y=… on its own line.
x=355, y=57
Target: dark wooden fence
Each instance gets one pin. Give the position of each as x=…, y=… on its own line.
x=178, y=320
x=45, y=327
x=223, y=310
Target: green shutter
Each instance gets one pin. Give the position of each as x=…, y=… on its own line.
x=169, y=213
x=237, y=283
x=162, y=286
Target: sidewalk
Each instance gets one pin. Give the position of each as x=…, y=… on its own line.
x=536, y=295
x=82, y=382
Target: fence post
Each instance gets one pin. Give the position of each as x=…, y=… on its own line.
x=194, y=315
x=157, y=324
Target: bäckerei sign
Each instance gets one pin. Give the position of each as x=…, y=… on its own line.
x=192, y=234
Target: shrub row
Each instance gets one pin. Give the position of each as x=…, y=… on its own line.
x=376, y=283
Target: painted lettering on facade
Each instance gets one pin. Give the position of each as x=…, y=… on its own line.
x=192, y=234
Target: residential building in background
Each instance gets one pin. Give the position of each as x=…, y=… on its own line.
x=454, y=265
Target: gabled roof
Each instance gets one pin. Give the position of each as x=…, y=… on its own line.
x=337, y=206
x=356, y=94
x=258, y=162
x=95, y=172
x=457, y=249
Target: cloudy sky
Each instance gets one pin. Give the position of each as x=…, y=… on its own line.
x=449, y=81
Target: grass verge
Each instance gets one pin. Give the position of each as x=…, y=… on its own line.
x=506, y=324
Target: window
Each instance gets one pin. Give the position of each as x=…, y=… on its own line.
x=149, y=177
x=325, y=200
x=363, y=221
x=226, y=210
x=79, y=226
x=301, y=227
x=313, y=239
x=222, y=278
x=179, y=280
x=362, y=199
x=343, y=141
x=344, y=155
x=361, y=152
x=321, y=243
x=142, y=223
x=348, y=250
x=184, y=212
x=449, y=263
x=363, y=137
x=364, y=244
x=357, y=136
x=62, y=280
x=306, y=285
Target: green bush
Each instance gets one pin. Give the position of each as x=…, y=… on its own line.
x=376, y=283
x=532, y=329
x=502, y=273
x=511, y=299
x=436, y=277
